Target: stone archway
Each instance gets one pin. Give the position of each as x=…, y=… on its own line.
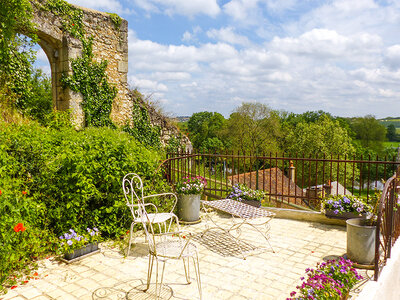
x=110, y=42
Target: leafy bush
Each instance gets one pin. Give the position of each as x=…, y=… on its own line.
x=70, y=179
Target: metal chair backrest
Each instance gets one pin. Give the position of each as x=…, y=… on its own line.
x=132, y=186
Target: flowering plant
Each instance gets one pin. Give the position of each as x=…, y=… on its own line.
x=93, y=235
x=345, y=203
x=330, y=280
x=72, y=240
x=191, y=185
x=241, y=192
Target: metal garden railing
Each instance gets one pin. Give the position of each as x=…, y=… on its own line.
x=288, y=180
x=388, y=222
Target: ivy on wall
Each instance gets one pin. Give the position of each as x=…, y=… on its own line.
x=142, y=129
x=88, y=76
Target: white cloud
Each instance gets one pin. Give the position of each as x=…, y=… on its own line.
x=392, y=57
x=182, y=7
x=228, y=35
x=147, y=85
x=327, y=43
x=191, y=36
x=240, y=9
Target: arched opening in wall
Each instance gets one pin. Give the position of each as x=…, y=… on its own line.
x=30, y=84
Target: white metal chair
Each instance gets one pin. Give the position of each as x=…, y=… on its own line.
x=132, y=186
x=164, y=246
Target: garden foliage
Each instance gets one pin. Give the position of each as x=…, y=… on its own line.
x=54, y=179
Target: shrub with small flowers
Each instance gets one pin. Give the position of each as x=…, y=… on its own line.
x=191, y=185
x=345, y=203
x=330, y=280
x=72, y=240
x=241, y=192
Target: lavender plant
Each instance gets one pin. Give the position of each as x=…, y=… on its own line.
x=191, y=185
x=345, y=203
x=71, y=240
x=241, y=192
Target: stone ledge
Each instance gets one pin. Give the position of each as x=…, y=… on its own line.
x=301, y=215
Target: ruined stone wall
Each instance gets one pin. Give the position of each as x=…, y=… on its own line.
x=168, y=129
x=109, y=43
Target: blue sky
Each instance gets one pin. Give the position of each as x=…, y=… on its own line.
x=341, y=56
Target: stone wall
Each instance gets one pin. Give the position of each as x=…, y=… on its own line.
x=109, y=43
x=168, y=129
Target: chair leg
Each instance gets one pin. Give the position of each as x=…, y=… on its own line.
x=130, y=238
x=187, y=270
x=149, y=270
x=162, y=279
x=197, y=271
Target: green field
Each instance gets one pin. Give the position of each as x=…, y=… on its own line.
x=391, y=144
x=387, y=122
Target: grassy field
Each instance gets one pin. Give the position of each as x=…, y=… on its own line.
x=391, y=144
x=387, y=122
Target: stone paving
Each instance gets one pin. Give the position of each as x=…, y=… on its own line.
x=224, y=274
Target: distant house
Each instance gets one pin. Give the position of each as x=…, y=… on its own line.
x=274, y=182
x=334, y=188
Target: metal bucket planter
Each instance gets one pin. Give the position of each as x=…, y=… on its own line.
x=360, y=241
x=189, y=208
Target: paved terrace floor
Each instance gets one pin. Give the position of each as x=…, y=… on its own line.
x=224, y=275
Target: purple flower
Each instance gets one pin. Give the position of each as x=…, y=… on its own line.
x=336, y=211
x=69, y=242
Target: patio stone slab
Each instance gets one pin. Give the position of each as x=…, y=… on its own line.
x=224, y=275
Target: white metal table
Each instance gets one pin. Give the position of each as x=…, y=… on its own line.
x=242, y=214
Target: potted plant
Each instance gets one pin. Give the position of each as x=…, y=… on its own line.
x=329, y=280
x=74, y=245
x=344, y=207
x=361, y=235
x=242, y=193
x=189, y=191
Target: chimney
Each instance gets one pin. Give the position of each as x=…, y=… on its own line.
x=292, y=172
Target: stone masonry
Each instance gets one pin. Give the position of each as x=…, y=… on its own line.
x=109, y=43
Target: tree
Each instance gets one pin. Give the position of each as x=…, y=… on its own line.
x=253, y=127
x=369, y=132
x=203, y=126
x=326, y=138
x=391, y=133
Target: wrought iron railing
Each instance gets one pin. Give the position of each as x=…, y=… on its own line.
x=388, y=222
x=293, y=180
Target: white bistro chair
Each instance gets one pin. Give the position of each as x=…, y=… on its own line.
x=132, y=186
x=164, y=244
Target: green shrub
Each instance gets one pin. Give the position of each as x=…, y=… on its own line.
x=72, y=180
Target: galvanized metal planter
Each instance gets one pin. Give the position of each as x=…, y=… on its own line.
x=360, y=241
x=189, y=208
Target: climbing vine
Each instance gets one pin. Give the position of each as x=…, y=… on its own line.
x=90, y=79
x=88, y=76
x=142, y=129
